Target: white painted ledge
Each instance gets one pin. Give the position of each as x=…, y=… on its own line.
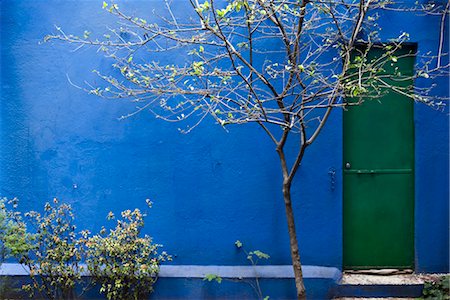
x=197, y=271
x=271, y=271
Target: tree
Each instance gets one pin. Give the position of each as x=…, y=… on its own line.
x=282, y=64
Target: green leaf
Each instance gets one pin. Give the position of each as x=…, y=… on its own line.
x=220, y=13
x=261, y=254
x=203, y=7
x=212, y=277
x=105, y=5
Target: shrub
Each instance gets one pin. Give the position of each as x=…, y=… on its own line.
x=14, y=241
x=54, y=262
x=14, y=238
x=123, y=262
x=439, y=289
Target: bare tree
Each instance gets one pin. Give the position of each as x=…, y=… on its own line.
x=282, y=64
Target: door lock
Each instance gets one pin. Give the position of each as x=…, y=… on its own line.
x=348, y=165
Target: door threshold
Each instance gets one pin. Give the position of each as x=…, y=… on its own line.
x=380, y=271
x=388, y=279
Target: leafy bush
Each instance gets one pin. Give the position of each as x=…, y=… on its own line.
x=14, y=241
x=125, y=263
x=14, y=238
x=439, y=290
x=54, y=262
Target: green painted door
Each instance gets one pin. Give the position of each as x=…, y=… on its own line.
x=379, y=177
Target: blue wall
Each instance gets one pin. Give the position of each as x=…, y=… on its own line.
x=210, y=187
x=205, y=184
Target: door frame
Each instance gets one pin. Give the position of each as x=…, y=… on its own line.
x=412, y=46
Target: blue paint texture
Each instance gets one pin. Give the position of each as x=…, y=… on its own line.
x=379, y=291
x=194, y=288
x=210, y=187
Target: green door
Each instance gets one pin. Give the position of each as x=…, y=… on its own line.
x=379, y=177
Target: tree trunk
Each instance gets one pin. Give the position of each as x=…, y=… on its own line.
x=295, y=254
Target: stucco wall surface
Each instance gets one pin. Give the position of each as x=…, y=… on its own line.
x=209, y=187
x=57, y=141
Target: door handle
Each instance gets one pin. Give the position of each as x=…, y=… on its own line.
x=348, y=165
